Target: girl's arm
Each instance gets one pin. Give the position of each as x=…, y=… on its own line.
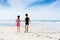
x=16, y=20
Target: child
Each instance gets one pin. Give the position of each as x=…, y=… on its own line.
x=18, y=23
x=26, y=22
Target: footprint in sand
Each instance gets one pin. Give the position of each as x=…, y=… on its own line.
x=2, y=32
x=38, y=35
x=49, y=37
x=35, y=34
x=1, y=39
x=58, y=39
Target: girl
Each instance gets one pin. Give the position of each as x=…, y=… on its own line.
x=18, y=23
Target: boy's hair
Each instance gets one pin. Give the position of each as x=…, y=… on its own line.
x=18, y=16
x=26, y=14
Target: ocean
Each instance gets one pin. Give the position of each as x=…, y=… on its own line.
x=13, y=22
x=51, y=24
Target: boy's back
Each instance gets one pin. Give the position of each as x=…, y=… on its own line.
x=27, y=20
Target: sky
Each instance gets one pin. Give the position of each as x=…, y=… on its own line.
x=36, y=9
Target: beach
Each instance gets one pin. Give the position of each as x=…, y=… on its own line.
x=42, y=16
x=36, y=32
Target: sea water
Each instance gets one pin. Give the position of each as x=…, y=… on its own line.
x=51, y=24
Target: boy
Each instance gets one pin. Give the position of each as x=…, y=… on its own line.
x=26, y=22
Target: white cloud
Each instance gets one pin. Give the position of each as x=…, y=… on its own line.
x=19, y=7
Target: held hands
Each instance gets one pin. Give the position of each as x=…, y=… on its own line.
x=22, y=20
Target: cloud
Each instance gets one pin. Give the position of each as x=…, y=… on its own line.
x=4, y=3
x=57, y=4
x=35, y=11
x=41, y=3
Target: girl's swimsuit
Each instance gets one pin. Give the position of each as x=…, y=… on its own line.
x=18, y=23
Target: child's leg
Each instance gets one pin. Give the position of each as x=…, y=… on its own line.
x=18, y=29
x=27, y=28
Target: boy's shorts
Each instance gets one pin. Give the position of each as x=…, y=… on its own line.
x=26, y=23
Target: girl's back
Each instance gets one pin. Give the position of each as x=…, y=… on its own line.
x=18, y=22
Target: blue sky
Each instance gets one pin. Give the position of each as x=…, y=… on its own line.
x=4, y=3
x=37, y=9
x=41, y=2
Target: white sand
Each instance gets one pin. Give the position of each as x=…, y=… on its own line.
x=35, y=33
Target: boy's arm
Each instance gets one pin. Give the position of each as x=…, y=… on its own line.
x=29, y=20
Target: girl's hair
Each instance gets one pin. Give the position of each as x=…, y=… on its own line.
x=18, y=16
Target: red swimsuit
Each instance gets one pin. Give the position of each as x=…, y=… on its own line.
x=18, y=23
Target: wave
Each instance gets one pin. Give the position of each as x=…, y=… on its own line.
x=13, y=22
